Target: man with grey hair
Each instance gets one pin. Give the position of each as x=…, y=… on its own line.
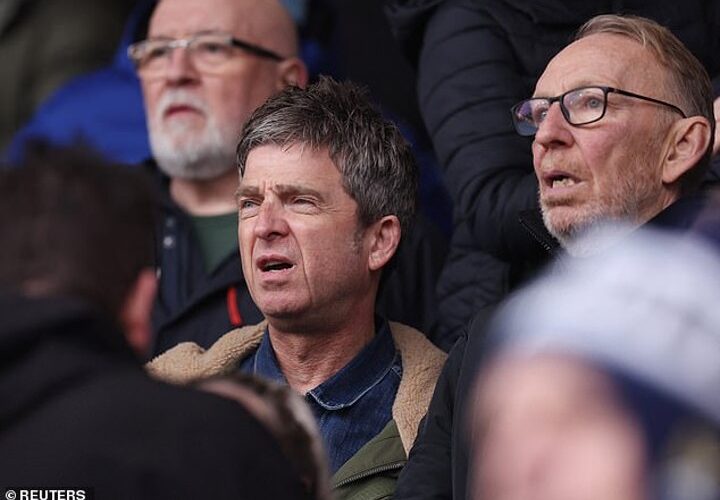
x=327, y=189
x=204, y=67
x=630, y=135
x=623, y=130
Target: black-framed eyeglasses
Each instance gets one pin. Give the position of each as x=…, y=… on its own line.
x=579, y=107
x=208, y=52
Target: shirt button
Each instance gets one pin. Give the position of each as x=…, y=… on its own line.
x=168, y=242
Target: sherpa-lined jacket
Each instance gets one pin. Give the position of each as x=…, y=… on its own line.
x=372, y=471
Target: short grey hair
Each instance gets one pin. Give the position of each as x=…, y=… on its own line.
x=377, y=166
x=688, y=81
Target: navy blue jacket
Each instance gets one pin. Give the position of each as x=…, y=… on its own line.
x=192, y=304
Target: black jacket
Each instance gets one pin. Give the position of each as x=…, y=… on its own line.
x=77, y=410
x=475, y=59
x=437, y=466
x=194, y=305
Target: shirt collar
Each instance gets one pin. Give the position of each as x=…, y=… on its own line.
x=265, y=364
x=348, y=385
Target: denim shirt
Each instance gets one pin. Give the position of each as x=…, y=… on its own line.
x=355, y=404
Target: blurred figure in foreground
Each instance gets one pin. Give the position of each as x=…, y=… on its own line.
x=76, y=408
x=602, y=382
x=288, y=418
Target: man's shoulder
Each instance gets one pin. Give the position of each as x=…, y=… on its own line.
x=188, y=362
x=187, y=433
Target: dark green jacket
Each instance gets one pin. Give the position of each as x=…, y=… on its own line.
x=372, y=472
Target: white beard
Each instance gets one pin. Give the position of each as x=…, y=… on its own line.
x=182, y=153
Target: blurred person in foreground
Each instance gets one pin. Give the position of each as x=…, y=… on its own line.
x=327, y=190
x=77, y=409
x=602, y=380
x=289, y=419
x=623, y=129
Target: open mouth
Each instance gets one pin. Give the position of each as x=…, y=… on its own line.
x=276, y=266
x=270, y=265
x=560, y=180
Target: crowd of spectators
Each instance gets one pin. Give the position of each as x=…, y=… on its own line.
x=225, y=274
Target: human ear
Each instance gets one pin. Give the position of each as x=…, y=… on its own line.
x=688, y=142
x=384, y=243
x=136, y=311
x=292, y=71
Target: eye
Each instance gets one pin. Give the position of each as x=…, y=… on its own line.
x=247, y=207
x=303, y=201
x=539, y=113
x=591, y=102
x=585, y=100
x=156, y=52
x=304, y=204
x=215, y=49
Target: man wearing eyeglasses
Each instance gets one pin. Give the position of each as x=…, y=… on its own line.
x=623, y=130
x=204, y=67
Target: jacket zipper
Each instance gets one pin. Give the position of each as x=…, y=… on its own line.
x=370, y=472
x=536, y=236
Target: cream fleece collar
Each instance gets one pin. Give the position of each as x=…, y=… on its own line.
x=421, y=361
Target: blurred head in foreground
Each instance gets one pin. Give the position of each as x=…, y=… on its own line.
x=73, y=226
x=289, y=420
x=603, y=380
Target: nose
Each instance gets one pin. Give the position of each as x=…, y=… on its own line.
x=554, y=129
x=270, y=222
x=180, y=68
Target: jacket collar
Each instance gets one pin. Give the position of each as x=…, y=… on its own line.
x=682, y=214
x=349, y=384
x=421, y=361
x=679, y=216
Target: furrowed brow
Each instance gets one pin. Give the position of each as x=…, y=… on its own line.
x=247, y=191
x=297, y=189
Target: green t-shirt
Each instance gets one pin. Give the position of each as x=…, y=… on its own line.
x=217, y=235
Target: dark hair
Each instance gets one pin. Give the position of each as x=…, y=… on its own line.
x=687, y=80
x=377, y=166
x=73, y=225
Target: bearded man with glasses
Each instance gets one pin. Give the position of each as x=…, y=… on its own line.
x=623, y=127
x=205, y=66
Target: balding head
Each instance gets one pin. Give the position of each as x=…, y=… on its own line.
x=269, y=23
x=263, y=22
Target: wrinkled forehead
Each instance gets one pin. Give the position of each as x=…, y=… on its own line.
x=601, y=59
